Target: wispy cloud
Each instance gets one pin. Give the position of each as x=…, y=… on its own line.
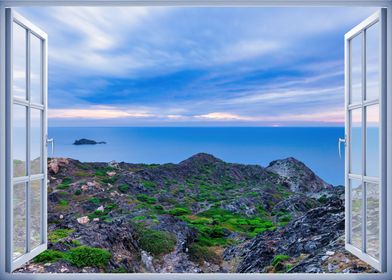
x=257, y=66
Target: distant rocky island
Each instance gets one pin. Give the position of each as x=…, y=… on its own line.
x=84, y=141
x=202, y=215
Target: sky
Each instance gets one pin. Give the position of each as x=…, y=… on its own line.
x=176, y=66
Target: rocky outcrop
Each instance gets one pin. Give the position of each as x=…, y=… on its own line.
x=174, y=218
x=305, y=235
x=84, y=141
x=298, y=176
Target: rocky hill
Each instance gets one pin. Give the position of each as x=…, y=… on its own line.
x=201, y=215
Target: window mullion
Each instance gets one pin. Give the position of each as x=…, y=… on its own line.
x=363, y=141
x=28, y=185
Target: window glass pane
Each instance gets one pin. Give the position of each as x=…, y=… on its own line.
x=35, y=68
x=356, y=213
x=35, y=213
x=372, y=62
x=373, y=219
x=356, y=142
x=19, y=61
x=36, y=140
x=19, y=140
x=356, y=70
x=372, y=141
x=19, y=220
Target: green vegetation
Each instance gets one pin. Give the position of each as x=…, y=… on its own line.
x=58, y=234
x=63, y=202
x=110, y=180
x=100, y=173
x=48, y=256
x=81, y=174
x=65, y=183
x=179, y=211
x=279, y=263
x=102, y=214
x=78, y=192
x=278, y=259
x=121, y=269
x=148, y=184
x=88, y=256
x=323, y=199
x=283, y=217
x=123, y=188
x=146, y=198
x=95, y=200
x=76, y=242
x=156, y=242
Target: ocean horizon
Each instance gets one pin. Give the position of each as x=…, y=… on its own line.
x=315, y=146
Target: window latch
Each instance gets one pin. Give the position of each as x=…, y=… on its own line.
x=51, y=142
x=340, y=141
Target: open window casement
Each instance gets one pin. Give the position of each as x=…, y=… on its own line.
x=26, y=91
x=365, y=129
x=26, y=140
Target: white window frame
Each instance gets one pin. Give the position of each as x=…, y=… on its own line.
x=259, y=3
x=14, y=18
x=359, y=30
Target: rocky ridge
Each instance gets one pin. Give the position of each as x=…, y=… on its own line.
x=201, y=215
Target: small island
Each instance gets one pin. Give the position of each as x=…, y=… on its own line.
x=84, y=141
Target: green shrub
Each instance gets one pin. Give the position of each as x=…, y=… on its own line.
x=278, y=259
x=159, y=209
x=156, y=242
x=121, y=269
x=323, y=199
x=123, y=188
x=146, y=198
x=58, y=234
x=65, y=183
x=110, y=180
x=88, y=256
x=78, y=192
x=198, y=254
x=179, y=211
x=76, y=242
x=48, y=256
x=148, y=184
x=95, y=200
x=139, y=218
x=63, y=202
x=100, y=173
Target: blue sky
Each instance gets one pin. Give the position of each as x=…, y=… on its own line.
x=166, y=66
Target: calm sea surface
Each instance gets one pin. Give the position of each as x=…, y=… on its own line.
x=315, y=146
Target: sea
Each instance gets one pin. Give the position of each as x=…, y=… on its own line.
x=315, y=146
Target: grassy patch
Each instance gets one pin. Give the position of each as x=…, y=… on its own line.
x=146, y=198
x=278, y=259
x=110, y=180
x=58, y=234
x=48, y=256
x=63, y=202
x=95, y=200
x=65, y=183
x=156, y=242
x=81, y=174
x=179, y=211
x=148, y=184
x=123, y=188
x=88, y=256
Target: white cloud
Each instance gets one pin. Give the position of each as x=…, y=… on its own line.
x=222, y=116
x=96, y=113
